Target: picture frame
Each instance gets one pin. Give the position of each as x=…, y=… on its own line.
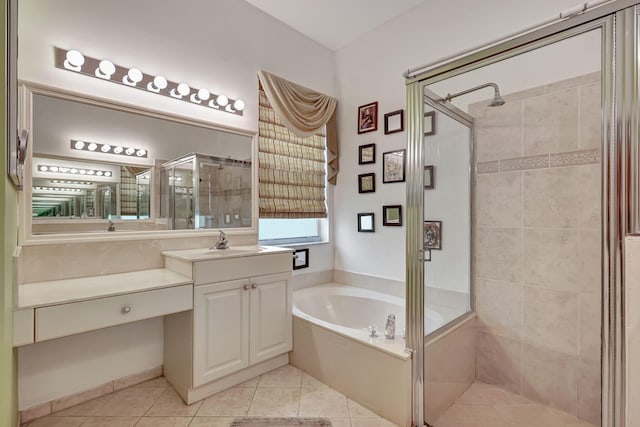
x=392, y=215
x=366, y=223
x=393, y=166
x=429, y=123
x=368, y=117
x=432, y=234
x=366, y=154
x=300, y=259
x=394, y=122
x=367, y=183
x=429, y=182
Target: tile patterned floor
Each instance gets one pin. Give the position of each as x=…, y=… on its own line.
x=484, y=405
x=289, y=392
x=284, y=392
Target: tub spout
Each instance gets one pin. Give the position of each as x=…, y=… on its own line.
x=390, y=327
x=372, y=331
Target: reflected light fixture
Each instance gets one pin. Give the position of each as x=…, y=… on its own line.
x=107, y=148
x=75, y=61
x=73, y=171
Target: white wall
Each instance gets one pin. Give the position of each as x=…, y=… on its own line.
x=370, y=69
x=214, y=44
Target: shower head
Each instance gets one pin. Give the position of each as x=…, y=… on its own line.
x=495, y=102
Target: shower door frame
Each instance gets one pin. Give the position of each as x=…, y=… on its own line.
x=617, y=41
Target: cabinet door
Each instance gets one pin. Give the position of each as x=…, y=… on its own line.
x=221, y=330
x=271, y=328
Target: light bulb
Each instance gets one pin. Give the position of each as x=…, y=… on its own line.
x=91, y=172
x=92, y=147
x=181, y=90
x=99, y=173
x=74, y=60
x=141, y=153
x=222, y=100
x=105, y=148
x=238, y=105
x=133, y=77
x=204, y=94
x=79, y=145
x=130, y=151
x=107, y=173
x=118, y=150
x=73, y=170
x=105, y=69
x=43, y=168
x=82, y=171
x=157, y=84
x=64, y=170
x=53, y=169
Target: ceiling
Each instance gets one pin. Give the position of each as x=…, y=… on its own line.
x=334, y=23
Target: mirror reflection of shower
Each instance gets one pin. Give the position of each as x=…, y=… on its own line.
x=495, y=102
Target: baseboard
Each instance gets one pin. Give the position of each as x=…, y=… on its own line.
x=65, y=402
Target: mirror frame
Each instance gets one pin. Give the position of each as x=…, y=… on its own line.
x=26, y=92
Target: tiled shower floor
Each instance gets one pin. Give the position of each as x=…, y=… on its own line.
x=484, y=405
x=289, y=392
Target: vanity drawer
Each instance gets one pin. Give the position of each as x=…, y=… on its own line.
x=72, y=318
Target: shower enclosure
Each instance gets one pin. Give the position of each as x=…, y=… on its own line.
x=200, y=191
x=515, y=219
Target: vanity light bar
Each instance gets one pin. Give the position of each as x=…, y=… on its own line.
x=59, y=181
x=74, y=171
x=72, y=60
x=108, y=149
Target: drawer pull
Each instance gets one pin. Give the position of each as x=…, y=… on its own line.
x=246, y=287
x=253, y=286
x=126, y=309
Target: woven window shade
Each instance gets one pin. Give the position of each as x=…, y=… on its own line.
x=292, y=170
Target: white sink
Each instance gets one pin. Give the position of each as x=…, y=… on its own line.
x=202, y=254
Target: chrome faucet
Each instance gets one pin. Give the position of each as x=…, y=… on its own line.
x=222, y=243
x=390, y=327
x=111, y=226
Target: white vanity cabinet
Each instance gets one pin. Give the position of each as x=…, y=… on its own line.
x=240, y=326
x=239, y=323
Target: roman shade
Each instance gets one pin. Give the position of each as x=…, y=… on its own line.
x=292, y=163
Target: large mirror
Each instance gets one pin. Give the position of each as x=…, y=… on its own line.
x=97, y=167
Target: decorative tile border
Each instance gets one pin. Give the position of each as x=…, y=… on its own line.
x=544, y=161
x=583, y=157
x=487, y=167
x=524, y=163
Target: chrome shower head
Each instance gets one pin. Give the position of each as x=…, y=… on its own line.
x=497, y=100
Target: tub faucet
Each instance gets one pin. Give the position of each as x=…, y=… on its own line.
x=111, y=226
x=390, y=327
x=372, y=331
x=222, y=243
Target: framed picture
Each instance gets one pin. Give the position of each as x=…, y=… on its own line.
x=392, y=215
x=300, y=259
x=432, y=235
x=366, y=154
x=368, y=117
x=367, y=183
x=430, y=123
x=428, y=177
x=394, y=122
x=365, y=222
x=393, y=166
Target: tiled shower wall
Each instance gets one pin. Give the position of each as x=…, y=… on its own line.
x=537, y=244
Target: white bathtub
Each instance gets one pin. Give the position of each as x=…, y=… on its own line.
x=349, y=310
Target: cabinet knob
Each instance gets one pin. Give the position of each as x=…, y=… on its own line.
x=253, y=286
x=126, y=309
x=246, y=287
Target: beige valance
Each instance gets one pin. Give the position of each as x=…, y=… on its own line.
x=305, y=112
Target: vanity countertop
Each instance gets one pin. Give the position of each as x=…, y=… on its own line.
x=53, y=292
x=205, y=254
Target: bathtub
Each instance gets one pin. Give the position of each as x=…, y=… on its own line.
x=331, y=342
x=350, y=310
